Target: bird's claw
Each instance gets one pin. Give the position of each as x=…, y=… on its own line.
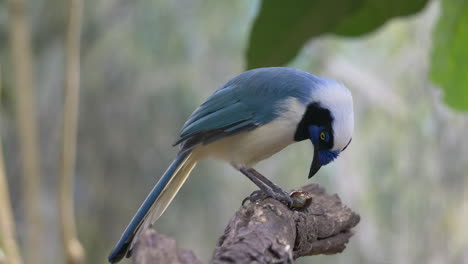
x=289, y=201
x=255, y=196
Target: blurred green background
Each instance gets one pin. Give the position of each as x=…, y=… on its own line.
x=146, y=65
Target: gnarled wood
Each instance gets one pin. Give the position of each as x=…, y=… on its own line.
x=267, y=232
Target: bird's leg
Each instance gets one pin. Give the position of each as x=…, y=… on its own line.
x=269, y=188
x=257, y=195
x=265, y=180
x=296, y=202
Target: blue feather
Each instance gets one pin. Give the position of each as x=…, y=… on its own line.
x=122, y=246
x=327, y=156
x=226, y=116
x=251, y=99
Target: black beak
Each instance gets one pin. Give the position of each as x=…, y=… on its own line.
x=315, y=163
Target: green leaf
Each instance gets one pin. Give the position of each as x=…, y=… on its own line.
x=375, y=13
x=449, y=66
x=283, y=27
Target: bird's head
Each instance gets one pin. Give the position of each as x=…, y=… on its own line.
x=328, y=122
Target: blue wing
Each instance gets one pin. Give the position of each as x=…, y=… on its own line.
x=224, y=113
x=244, y=103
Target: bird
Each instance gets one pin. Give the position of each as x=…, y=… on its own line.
x=248, y=119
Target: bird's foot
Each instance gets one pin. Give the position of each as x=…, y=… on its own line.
x=257, y=195
x=290, y=201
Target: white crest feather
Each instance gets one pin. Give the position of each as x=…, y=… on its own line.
x=338, y=100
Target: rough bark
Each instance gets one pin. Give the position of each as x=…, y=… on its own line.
x=267, y=232
x=153, y=247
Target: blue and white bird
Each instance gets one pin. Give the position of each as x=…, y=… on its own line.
x=251, y=117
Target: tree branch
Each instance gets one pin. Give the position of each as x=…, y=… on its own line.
x=7, y=224
x=74, y=252
x=153, y=247
x=267, y=232
x=26, y=112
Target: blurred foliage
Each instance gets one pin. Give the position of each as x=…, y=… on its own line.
x=450, y=53
x=146, y=65
x=281, y=29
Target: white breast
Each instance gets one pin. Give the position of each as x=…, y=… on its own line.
x=247, y=149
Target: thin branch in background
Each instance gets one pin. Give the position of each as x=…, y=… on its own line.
x=20, y=44
x=7, y=225
x=73, y=249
